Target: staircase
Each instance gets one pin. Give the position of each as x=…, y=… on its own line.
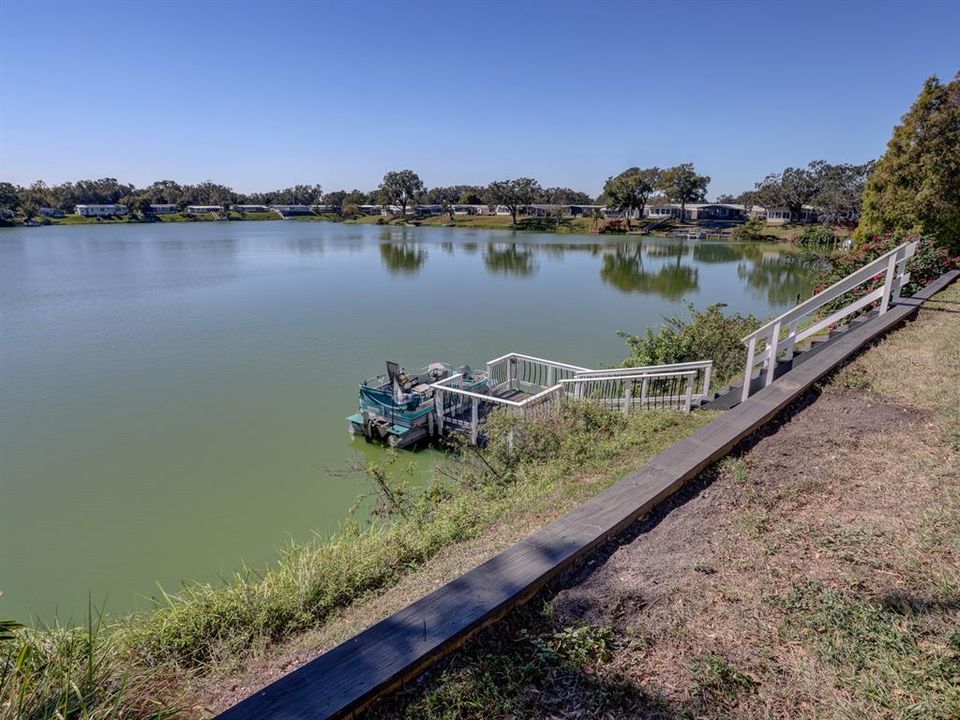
x=732, y=395
x=781, y=337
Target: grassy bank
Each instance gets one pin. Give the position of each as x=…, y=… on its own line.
x=581, y=226
x=164, y=660
x=814, y=574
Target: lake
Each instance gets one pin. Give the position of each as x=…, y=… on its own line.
x=172, y=396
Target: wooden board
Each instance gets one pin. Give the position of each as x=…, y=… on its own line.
x=348, y=677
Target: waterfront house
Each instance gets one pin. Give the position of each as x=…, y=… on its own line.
x=250, y=208
x=460, y=209
x=51, y=212
x=292, y=209
x=782, y=215
x=105, y=210
x=325, y=209
x=162, y=209
x=728, y=212
x=426, y=210
x=202, y=209
x=371, y=209
x=666, y=210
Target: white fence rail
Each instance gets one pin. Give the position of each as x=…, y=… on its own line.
x=780, y=335
x=525, y=373
x=636, y=391
x=703, y=371
x=532, y=387
x=466, y=410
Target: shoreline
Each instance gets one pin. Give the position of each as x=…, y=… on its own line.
x=780, y=236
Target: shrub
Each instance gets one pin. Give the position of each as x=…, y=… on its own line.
x=751, y=231
x=817, y=235
x=929, y=262
x=710, y=334
x=613, y=226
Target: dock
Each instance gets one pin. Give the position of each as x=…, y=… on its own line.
x=440, y=402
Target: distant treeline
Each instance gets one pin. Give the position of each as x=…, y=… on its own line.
x=836, y=188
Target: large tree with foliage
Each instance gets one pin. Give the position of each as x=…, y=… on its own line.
x=9, y=197
x=630, y=189
x=839, y=192
x=915, y=187
x=792, y=189
x=513, y=194
x=401, y=187
x=682, y=184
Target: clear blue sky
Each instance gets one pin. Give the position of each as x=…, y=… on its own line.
x=265, y=95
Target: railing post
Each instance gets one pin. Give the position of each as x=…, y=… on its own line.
x=644, y=387
x=888, y=282
x=474, y=420
x=790, y=340
x=689, y=398
x=551, y=376
x=627, y=395
x=438, y=406
x=707, y=371
x=899, y=272
x=748, y=373
x=772, y=347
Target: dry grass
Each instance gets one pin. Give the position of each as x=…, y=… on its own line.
x=816, y=574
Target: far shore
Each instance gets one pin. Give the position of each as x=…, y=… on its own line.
x=563, y=226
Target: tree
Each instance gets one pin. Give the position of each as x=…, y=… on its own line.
x=471, y=195
x=840, y=190
x=566, y=196
x=9, y=197
x=355, y=197
x=915, y=187
x=335, y=198
x=513, y=194
x=401, y=187
x=793, y=188
x=682, y=184
x=630, y=189
x=726, y=199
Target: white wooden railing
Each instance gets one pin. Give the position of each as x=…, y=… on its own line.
x=466, y=410
x=644, y=391
x=526, y=373
x=780, y=335
x=703, y=371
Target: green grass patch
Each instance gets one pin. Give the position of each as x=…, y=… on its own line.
x=886, y=651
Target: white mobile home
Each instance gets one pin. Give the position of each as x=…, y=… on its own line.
x=250, y=208
x=163, y=209
x=291, y=209
x=107, y=210
x=202, y=209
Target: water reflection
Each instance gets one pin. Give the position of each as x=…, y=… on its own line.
x=403, y=258
x=781, y=279
x=668, y=269
x=509, y=259
x=624, y=270
x=726, y=253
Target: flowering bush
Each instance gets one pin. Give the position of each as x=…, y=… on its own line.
x=929, y=262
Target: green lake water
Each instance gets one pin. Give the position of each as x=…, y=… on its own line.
x=172, y=396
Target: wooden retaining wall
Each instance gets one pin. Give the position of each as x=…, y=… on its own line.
x=347, y=678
